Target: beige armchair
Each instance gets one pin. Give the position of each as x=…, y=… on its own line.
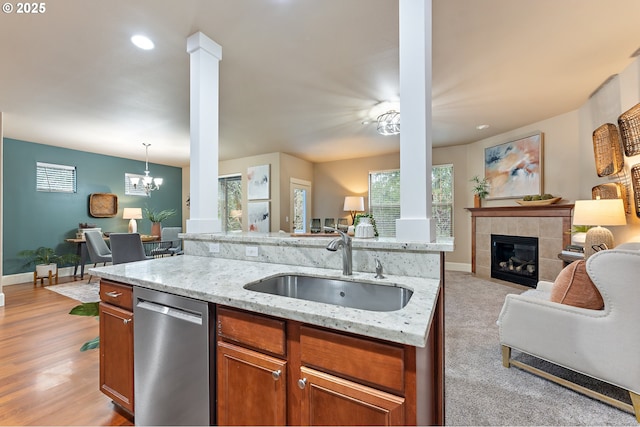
x=603, y=344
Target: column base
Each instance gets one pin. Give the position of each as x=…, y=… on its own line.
x=204, y=225
x=416, y=230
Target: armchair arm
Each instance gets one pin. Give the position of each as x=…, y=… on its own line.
x=576, y=338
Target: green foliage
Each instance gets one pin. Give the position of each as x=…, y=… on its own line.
x=44, y=255
x=90, y=345
x=87, y=309
x=158, y=216
x=480, y=187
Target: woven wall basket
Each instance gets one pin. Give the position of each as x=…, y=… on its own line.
x=629, y=123
x=607, y=150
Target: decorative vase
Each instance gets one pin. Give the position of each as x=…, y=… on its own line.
x=476, y=201
x=156, y=229
x=42, y=270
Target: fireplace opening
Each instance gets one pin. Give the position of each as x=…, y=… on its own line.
x=515, y=259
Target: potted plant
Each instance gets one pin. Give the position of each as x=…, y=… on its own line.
x=368, y=219
x=46, y=260
x=156, y=218
x=480, y=190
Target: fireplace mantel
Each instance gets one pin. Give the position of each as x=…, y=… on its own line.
x=563, y=210
x=550, y=223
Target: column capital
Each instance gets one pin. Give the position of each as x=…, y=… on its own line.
x=200, y=41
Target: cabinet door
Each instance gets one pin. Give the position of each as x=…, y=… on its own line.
x=251, y=387
x=329, y=400
x=116, y=354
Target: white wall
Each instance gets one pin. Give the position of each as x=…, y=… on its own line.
x=568, y=166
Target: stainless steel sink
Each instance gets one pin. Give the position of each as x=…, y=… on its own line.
x=365, y=296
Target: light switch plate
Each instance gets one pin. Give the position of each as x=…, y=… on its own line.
x=251, y=251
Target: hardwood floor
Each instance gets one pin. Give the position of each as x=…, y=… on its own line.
x=44, y=378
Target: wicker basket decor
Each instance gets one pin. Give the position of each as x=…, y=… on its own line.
x=629, y=123
x=612, y=190
x=607, y=150
x=635, y=180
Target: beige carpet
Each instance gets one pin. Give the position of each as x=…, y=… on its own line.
x=480, y=391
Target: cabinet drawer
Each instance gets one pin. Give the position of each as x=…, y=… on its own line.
x=369, y=361
x=117, y=294
x=253, y=330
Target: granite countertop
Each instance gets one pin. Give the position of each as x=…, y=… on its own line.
x=221, y=281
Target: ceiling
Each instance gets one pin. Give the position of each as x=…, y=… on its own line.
x=297, y=76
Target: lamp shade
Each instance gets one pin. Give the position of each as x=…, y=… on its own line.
x=353, y=203
x=599, y=212
x=132, y=213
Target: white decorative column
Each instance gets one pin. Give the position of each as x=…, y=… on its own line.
x=415, y=223
x=205, y=56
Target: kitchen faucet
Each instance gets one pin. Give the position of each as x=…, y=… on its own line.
x=344, y=242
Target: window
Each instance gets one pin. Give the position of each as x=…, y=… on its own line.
x=130, y=190
x=230, y=202
x=442, y=199
x=384, y=200
x=55, y=178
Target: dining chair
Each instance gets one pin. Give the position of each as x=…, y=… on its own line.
x=127, y=247
x=97, y=249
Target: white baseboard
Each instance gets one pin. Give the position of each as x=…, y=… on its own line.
x=1, y=299
x=15, y=279
x=457, y=266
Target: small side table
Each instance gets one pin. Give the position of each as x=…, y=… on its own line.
x=568, y=259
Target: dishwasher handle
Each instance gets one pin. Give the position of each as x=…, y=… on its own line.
x=174, y=312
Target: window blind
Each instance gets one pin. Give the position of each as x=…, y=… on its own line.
x=55, y=178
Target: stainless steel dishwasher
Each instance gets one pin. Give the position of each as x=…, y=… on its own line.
x=174, y=374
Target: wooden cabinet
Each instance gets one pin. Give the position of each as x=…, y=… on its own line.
x=276, y=372
x=329, y=401
x=116, y=343
x=251, y=387
x=252, y=372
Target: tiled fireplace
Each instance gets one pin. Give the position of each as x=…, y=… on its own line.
x=549, y=224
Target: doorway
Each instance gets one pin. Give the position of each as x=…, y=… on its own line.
x=300, y=202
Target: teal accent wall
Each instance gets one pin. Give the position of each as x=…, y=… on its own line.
x=33, y=219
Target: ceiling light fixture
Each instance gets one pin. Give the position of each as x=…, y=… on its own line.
x=143, y=42
x=389, y=123
x=149, y=183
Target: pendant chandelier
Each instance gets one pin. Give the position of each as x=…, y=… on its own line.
x=389, y=123
x=148, y=183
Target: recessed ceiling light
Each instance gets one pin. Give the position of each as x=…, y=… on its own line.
x=143, y=42
x=482, y=127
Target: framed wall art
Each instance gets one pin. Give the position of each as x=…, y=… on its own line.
x=259, y=217
x=258, y=182
x=514, y=169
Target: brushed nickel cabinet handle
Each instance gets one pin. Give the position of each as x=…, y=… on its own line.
x=113, y=294
x=302, y=383
x=276, y=374
x=126, y=321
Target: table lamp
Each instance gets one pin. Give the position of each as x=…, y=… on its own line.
x=132, y=214
x=353, y=204
x=598, y=213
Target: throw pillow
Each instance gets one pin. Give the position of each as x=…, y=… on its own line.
x=573, y=286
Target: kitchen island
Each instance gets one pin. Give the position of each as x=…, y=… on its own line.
x=393, y=358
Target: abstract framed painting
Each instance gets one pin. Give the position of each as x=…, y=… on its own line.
x=514, y=169
x=259, y=217
x=258, y=182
